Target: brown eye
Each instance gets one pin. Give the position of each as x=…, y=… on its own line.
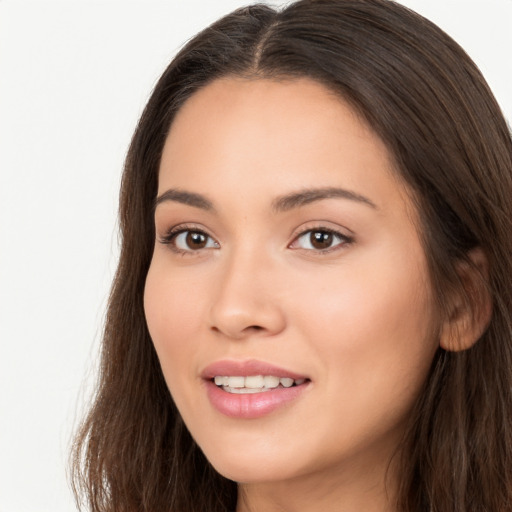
x=196, y=240
x=188, y=240
x=321, y=239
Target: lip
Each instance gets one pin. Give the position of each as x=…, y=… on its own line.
x=254, y=405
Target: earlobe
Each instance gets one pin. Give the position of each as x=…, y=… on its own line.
x=471, y=308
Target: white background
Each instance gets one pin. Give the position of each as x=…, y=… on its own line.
x=74, y=77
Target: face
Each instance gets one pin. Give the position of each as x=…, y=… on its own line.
x=288, y=297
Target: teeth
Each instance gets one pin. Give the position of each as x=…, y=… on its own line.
x=286, y=382
x=244, y=391
x=270, y=381
x=254, y=383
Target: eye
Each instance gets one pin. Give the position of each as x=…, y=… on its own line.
x=189, y=240
x=321, y=240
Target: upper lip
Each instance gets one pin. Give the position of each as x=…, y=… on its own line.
x=245, y=368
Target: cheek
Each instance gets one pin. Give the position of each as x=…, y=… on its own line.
x=384, y=292
x=372, y=326
x=369, y=333
x=172, y=314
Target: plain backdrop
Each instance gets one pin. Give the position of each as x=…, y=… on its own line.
x=74, y=77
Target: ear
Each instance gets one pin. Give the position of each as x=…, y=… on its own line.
x=471, y=308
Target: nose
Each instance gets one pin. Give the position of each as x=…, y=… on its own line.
x=247, y=299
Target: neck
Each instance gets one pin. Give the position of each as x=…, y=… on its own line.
x=346, y=490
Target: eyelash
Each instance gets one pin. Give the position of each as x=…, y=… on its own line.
x=344, y=240
x=170, y=239
x=172, y=235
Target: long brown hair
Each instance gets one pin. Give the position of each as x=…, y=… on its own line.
x=428, y=102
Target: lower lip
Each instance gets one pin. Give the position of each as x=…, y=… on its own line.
x=251, y=405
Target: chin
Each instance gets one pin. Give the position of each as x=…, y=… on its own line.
x=249, y=472
x=254, y=463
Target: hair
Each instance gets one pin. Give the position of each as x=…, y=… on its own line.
x=425, y=98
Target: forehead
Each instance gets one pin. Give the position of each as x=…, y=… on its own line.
x=249, y=107
x=263, y=137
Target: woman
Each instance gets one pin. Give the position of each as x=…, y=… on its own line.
x=312, y=309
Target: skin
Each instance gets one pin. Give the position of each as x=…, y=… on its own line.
x=356, y=319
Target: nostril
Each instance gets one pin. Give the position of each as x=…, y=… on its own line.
x=248, y=328
x=254, y=328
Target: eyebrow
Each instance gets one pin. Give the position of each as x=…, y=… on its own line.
x=307, y=196
x=280, y=204
x=184, y=197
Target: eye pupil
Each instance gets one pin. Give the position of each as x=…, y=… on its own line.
x=321, y=239
x=196, y=240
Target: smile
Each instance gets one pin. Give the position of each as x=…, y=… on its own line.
x=254, y=383
x=251, y=389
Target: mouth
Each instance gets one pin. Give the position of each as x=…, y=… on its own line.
x=254, y=383
x=252, y=389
